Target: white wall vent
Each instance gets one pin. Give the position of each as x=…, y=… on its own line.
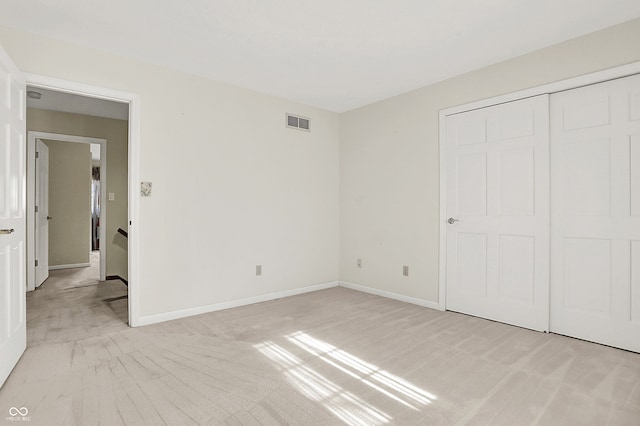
x=298, y=122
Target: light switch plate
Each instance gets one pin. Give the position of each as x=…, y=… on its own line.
x=145, y=189
x=112, y=196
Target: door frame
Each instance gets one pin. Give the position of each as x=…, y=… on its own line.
x=559, y=86
x=31, y=201
x=133, y=99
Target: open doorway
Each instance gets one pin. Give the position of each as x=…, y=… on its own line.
x=86, y=145
x=60, y=183
x=67, y=212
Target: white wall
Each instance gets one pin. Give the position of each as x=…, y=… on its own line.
x=389, y=160
x=232, y=187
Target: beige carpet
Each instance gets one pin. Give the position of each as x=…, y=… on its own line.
x=75, y=277
x=331, y=357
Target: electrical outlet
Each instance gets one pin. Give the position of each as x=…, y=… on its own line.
x=405, y=271
x=258, y=270
x=359, y=263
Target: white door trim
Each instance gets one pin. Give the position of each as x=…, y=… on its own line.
x=133, y=100
x=31, y=185
x=571, y=83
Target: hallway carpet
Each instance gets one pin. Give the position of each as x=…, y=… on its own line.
x=74, y=277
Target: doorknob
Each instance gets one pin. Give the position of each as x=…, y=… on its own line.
x=49, y=218
x=452, y=221
x=6, y=231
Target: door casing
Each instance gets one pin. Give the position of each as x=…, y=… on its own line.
x=31, y=184
x=45, y=82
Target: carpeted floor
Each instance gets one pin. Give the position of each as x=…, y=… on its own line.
x=335, y=356
x=74, y=277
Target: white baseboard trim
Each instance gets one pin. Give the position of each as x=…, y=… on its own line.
x=182, y=313
x=69, y=266
x=389, y=295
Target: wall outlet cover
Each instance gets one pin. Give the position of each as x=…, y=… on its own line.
x=145, y=189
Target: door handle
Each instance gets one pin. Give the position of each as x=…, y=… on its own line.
x=452, y=221
x=49, y=218
x=6, y=231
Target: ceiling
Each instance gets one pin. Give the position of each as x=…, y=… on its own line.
x=333, y=54
x=67, y=102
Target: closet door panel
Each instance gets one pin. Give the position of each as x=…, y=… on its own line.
x=497, y=195
x=595, y=213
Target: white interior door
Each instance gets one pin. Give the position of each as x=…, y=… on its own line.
x=42, y=212
x=595, y=237
x=497, y=180
x=13, y=336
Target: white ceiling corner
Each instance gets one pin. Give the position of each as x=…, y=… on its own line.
x=333, y=54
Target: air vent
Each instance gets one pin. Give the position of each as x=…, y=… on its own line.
x=298, y=122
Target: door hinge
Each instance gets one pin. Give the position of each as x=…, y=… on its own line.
x=36, y=263
x=37, y=154
x=36, y=209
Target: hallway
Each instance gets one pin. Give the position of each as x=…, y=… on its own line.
x=73, y=302
x=74, y=277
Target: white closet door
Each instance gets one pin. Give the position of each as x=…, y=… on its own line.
x=595, y=213
x=498, y=191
